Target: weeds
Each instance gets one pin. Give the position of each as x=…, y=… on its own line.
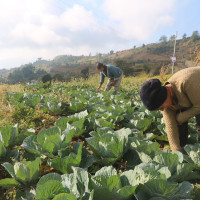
x=197, y=56
x=163, y=72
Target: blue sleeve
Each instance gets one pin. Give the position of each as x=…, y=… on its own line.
x=102, y=77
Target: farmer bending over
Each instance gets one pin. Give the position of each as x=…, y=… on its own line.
x=113, y=73
x=179, y=100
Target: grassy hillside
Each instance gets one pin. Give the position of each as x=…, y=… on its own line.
x=149, y=58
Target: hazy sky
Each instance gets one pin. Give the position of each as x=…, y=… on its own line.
x=47, y=28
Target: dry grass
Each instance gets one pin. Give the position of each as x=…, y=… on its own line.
x=163, y=72
x=197, y=56
x=92, y=81
x=128, y=83
x=7, y=110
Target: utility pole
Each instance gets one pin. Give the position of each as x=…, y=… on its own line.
x=174, y=60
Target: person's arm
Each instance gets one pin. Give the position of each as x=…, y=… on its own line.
x=192, y=91
x=102, y=78
x=100, y=84
x=172, y=129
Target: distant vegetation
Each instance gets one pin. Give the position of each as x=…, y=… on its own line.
x=147, y=58
x=25, y=74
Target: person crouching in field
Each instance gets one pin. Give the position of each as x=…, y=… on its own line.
x=113, y=73
x=179, y=100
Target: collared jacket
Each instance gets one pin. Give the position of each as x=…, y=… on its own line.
x=112, y=72
x=186, y=86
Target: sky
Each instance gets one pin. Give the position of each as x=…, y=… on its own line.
x=46, y=28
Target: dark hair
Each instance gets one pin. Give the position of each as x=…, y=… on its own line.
x=100, y=65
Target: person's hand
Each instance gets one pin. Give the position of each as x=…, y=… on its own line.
x=113, y=83
x=179, y=119
x=98, y=88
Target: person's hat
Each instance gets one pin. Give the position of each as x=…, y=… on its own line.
x=153, y=94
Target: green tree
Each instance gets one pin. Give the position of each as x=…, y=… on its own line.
x=47, y=79
x=25, y=74
x=184, y=37
x=195, y=36
x=85, y=73
x=39, y=73
x=58, y=77
x=172, y=38
x=163, y=39
x=111, y=52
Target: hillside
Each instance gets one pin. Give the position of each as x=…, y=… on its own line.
x=152, y=55
x=149, y=58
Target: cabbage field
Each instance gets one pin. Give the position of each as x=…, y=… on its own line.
x=103, y=146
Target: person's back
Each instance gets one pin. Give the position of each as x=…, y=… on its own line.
x=186, y=84
x=179, y=99
x=114, y=72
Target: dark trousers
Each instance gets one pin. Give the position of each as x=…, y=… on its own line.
x=183, y=131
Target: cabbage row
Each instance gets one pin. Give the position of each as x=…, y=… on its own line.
x=105, y=147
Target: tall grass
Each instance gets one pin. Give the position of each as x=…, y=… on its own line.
x=197, y=56
x=6, y=110
x=128, y=83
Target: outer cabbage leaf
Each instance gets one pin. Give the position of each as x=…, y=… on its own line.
x=2, y=150
x=49, y=189
x=109, y=146
x=65, y=164
x=194, y=153
x=77, y=183
x=24, y=172
x=163, y=189
x=108, y=185
x=47, y=142
x=8, y=135
x=8, y=183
